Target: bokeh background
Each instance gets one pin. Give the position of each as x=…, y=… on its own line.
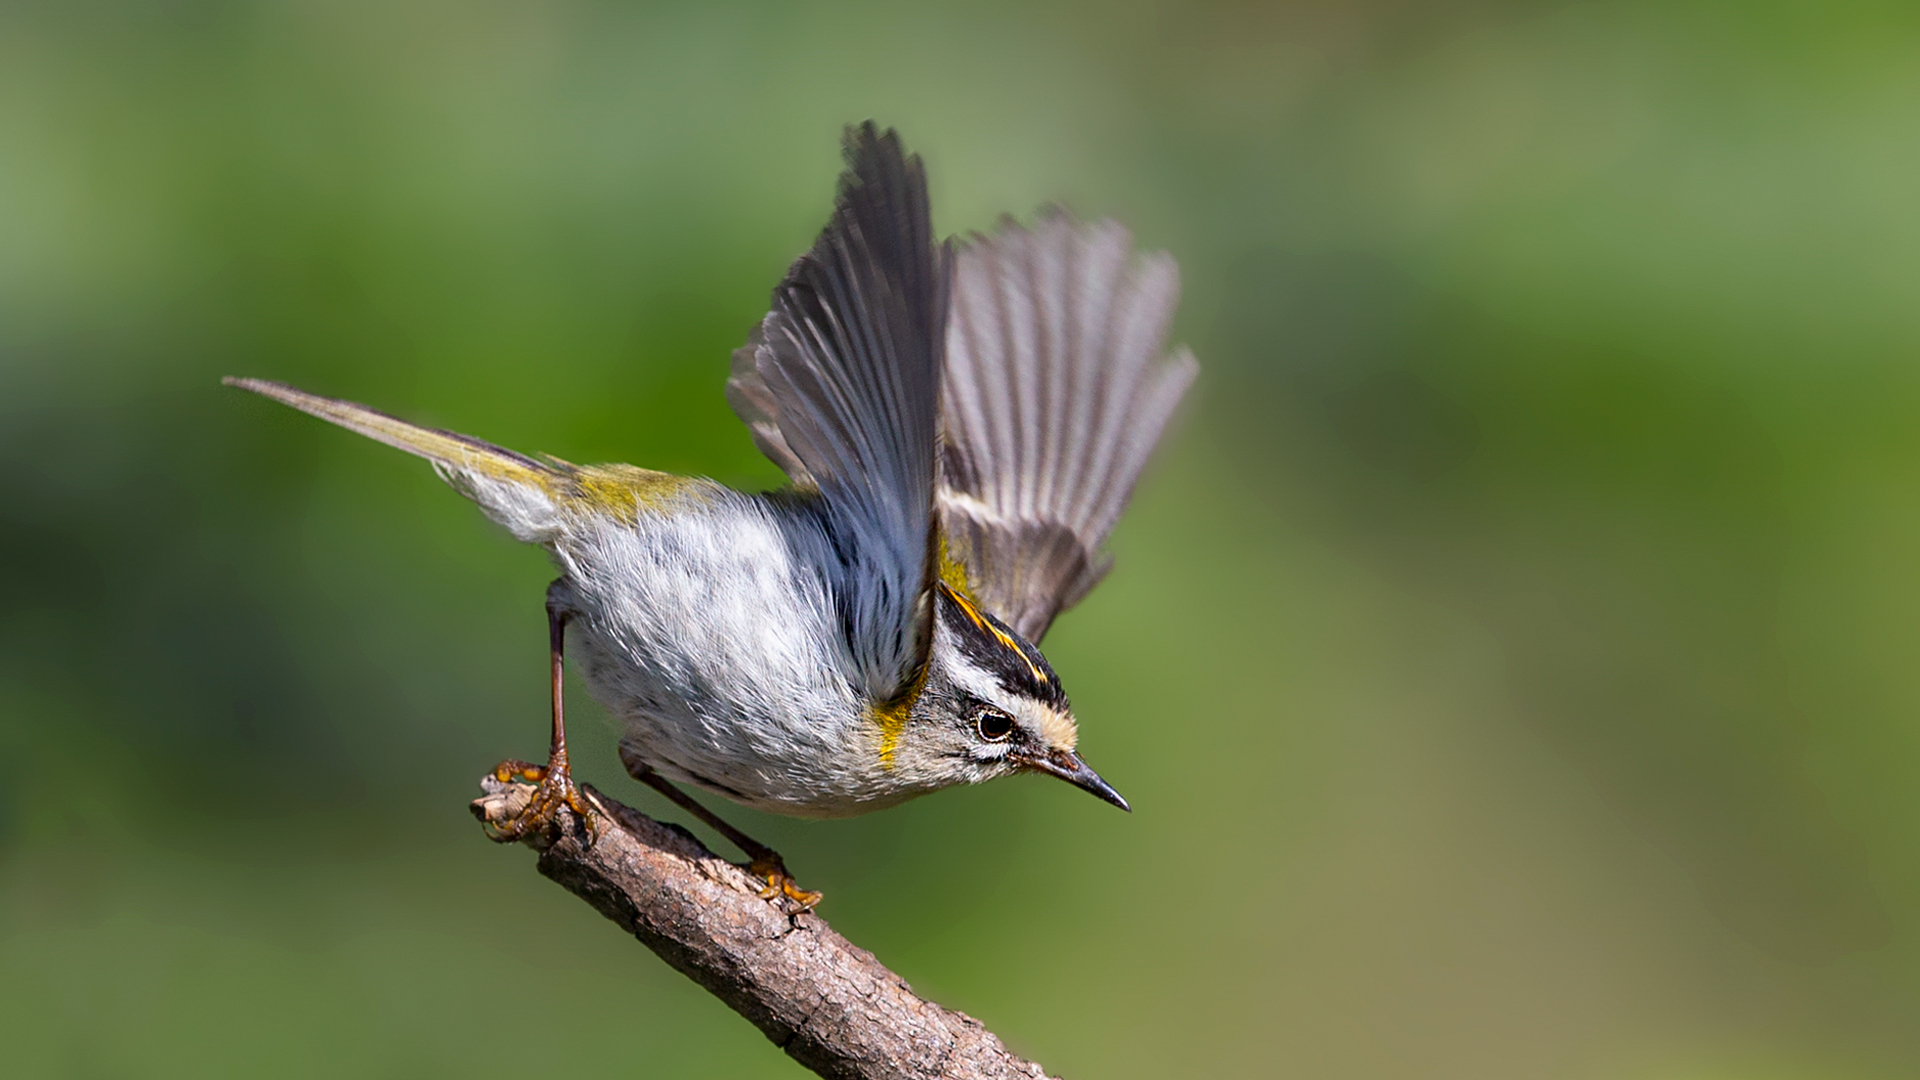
x=1513, y=657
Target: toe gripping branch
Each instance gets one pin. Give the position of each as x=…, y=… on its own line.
x=554, y=786
x=762, y=861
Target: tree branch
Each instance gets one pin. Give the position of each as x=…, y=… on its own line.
x=829, y=1004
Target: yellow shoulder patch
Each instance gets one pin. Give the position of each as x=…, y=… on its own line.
x=953, y=572
x=892, y=716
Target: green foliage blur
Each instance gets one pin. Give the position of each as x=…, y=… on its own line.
x=1514, y=658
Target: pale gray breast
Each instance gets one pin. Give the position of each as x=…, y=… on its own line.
x=710, y=629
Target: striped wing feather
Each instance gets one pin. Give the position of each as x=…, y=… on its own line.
x=1056, y=390
x=840, y=386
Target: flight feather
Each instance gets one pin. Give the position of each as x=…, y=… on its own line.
x=840, y=385
x=1056, y=388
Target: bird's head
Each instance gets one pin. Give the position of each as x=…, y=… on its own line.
x=990, y=706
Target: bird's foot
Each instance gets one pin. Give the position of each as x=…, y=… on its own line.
x=770, y=868
x=553, y=788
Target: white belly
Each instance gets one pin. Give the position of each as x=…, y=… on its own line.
x=716, y=642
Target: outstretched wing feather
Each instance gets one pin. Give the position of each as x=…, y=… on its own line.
x=840, y=386
x=1056, y=390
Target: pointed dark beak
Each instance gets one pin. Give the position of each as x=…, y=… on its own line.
x=1067, y=765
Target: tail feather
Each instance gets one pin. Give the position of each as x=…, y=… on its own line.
x=517, y=491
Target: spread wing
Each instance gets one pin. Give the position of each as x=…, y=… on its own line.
x=1056, y=391
x=840, y=386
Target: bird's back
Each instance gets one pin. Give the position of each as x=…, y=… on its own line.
x=707, y=620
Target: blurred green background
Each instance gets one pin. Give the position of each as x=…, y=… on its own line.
x=1514, y=659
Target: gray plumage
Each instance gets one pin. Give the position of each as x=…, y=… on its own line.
x=809, y=651
x=840, y=385
x=1056, y=390
x=710, y=630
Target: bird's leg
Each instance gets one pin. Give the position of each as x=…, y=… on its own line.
x=554, y=781
x=763, y=862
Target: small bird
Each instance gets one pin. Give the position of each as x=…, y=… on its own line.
x=961, y=424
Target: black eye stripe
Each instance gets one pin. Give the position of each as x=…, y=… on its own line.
x=1019, y=669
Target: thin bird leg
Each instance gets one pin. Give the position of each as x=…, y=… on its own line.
x=554, y=780
x=764, y=862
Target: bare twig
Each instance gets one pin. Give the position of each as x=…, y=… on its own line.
x=829, y=1004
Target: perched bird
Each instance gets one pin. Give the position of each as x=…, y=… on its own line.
x=961, y=423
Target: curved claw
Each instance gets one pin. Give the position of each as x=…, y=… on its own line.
x=773, y=870
x=554, y=788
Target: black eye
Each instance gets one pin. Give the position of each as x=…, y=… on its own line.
x=993, y=724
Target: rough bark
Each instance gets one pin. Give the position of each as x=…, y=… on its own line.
x=829, y=1004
